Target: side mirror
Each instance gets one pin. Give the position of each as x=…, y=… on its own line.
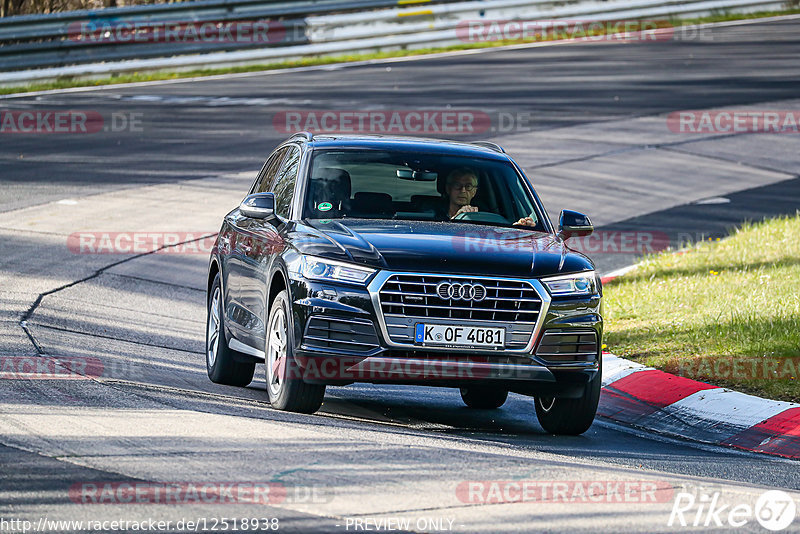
x=574, y=224
x=258, y=206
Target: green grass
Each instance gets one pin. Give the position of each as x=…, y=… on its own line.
x=323, y=60
x=725, y=312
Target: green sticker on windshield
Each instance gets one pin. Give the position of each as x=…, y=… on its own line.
x=324, y=206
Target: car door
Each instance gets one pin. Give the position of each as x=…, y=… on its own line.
x=267, y=243
x=239, y=316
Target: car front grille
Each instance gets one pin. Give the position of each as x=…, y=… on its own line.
x=502, y=300
x=568, y=347
x=407, y=299
x=338, y=334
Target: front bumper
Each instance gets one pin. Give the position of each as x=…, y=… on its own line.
x=341, y=337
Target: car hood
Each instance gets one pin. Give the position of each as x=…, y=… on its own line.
x=438, y=247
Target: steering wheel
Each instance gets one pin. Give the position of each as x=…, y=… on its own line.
x=480, y=216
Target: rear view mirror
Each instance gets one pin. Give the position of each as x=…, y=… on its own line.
x=418, y=176
x=574, y=224
x=258, y=206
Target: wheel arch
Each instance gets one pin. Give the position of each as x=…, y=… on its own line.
x=277, y=283
x=213, y=270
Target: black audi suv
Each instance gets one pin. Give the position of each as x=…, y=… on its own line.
x=405, y=261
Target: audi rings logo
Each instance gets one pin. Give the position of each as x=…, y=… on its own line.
x=456, y=291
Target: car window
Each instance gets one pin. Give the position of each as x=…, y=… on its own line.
x=283, y=185
x=363, y=177
x=268, y=172
x=378, y=184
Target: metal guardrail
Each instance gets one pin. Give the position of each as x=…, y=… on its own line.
x=448, y=17
x=62, y=39
x=79, y=43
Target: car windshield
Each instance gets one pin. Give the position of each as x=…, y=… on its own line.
x=377, y=184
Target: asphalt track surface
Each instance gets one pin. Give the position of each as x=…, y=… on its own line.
x=596, y=140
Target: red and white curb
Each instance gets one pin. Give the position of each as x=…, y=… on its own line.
x=674, y=405
x=616, y=274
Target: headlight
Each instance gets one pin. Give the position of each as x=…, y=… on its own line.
x=327, y=270
x=572, y=284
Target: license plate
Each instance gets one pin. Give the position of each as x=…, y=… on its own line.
x=463, y=336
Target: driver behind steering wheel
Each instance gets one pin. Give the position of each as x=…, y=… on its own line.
x=461, y=186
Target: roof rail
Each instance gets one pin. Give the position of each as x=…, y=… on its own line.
x=490, y=145
x=308, y=136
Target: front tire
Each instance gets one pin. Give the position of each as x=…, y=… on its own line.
x=484, y=397
x=570, y=416
x=221, y=363
x=285, y=386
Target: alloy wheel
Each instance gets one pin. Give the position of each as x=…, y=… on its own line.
x=212, y=332
x=276, y=352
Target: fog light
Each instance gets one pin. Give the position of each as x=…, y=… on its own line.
x=326, y=293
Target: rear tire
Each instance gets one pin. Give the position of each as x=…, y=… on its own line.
x=285, y=386
x=570, y=416
x=484, y=397
x=221, y=363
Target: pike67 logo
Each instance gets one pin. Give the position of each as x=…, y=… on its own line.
x=774, y=510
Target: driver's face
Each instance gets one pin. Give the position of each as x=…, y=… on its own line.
x=461, y=190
